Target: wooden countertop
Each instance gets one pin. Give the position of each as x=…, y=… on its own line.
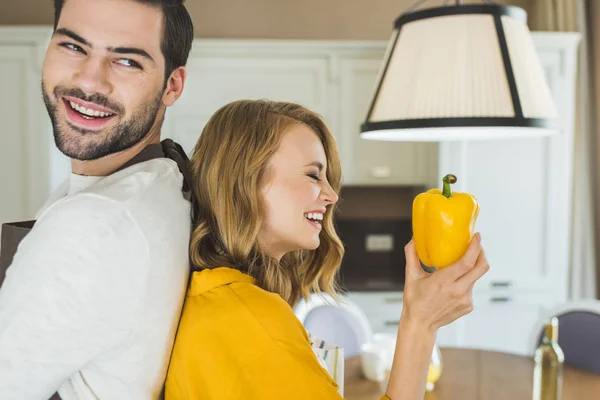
x=479, y=375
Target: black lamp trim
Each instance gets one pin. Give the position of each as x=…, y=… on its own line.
x=458, y=122
x=510, y=75
x=492, y=9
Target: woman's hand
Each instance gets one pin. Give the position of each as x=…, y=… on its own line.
x=432, y=300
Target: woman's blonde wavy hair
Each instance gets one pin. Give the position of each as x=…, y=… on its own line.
x=227, y=165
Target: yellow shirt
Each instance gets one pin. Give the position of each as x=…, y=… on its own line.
x=238, y=341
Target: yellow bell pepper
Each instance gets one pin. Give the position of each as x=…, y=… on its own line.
x=443, y=224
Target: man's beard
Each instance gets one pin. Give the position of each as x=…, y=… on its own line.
x=71, y=140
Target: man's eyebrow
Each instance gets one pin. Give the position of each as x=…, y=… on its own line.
x=72, y=35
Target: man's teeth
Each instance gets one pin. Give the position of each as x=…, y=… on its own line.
x=314, y=216
x=88, y=111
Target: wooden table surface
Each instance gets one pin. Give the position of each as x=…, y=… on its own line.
x=479, y=375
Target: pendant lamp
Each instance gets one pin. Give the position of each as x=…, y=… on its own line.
x=461, y=72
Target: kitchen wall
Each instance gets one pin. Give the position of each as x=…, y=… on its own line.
x=284, y=19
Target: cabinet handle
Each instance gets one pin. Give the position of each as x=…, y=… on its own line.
x=500, y=299
x=381, y=171
x=391, y=323
x=393, y=299
x=501, y=284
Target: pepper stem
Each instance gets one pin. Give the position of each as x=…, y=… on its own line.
x=447, y=181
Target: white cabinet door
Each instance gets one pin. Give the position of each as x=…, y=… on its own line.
x=215, y=81
x=511, y=182
x=366, y=162
x=503, y=322
x=23, y=171
x=524, y=189
x=382, y=309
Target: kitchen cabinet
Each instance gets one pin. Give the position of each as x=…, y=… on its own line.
x=382, y=309
x=24, y=142
x=217, y=79
x=504, y=322
x=13, y=202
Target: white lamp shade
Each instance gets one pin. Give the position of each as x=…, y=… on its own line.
x=466, y=72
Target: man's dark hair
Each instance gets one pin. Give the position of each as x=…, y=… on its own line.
x=178, y=31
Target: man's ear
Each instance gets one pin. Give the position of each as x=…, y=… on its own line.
x=174, y=86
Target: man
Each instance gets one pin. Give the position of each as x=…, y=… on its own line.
x=91, y=301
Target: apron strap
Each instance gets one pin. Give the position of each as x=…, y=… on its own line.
x=12, y=234
x=148, y=153
x=175, y=152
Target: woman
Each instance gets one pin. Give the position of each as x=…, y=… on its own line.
x=267, y=177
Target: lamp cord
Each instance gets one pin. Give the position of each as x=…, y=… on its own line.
x=458, y=2
x=415, y=6
x=418, y=3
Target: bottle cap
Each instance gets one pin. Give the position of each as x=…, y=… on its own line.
x=551, y=329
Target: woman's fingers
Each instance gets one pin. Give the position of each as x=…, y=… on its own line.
x=456, y=314
x=482, y=266
x=465, y=264
x=459, y=293
x=442, y=297
x=413, y=266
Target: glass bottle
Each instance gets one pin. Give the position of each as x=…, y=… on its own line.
x=435, y=368
x=548, y=369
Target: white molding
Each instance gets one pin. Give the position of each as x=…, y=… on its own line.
x=285, y=47
x=40, y=33
x=34, y=36
x=34, y=139
x=552, y=40
x=24, y=34
x=38, y=136
x=35, y=32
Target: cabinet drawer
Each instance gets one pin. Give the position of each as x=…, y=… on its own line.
x=447, y=336
x=384, y=323
x=382, y=309
x=506, y=322
x=387, y=304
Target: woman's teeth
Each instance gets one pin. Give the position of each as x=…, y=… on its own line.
x=88, y=113
x=314, y=216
